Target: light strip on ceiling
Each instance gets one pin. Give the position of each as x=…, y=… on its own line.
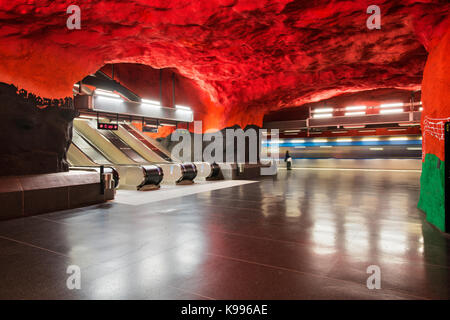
x=355, y=113
x=108, y=94
x=392, y=105
x=322, y=110
x=354, y=108
x=184, y=108
x=389, y=111
x=322, y=115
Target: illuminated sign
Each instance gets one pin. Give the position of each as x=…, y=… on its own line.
x=107, y=126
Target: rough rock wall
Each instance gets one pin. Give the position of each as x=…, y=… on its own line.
x=436, y=104
x=247, y=56
x=32, y=140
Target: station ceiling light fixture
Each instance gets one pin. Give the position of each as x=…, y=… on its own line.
x=389, y=111
x=392, y=105
x=151, y=103
x=355, y=113
x=183, y=108
x=354, y=127
x=107, y=94
x=355, y=108
x=322, y=115
x=322, y=110
x=344, y=140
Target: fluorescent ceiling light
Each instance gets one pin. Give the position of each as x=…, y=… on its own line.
x=391, y=111
x=152, y=102
x=104, y=93
x=354, y=127
x=391, y=105
x=408, y=124
x=299, y=147
x=339, y=131
x=297, y=141
x=316, y=132
x=414, y=148
x=325, y=146
x=183, y=108
x=354, y=108
x=376, y=149
x=323, y=115
x=167, y=124
x=322, y=110
x=367, y=130
x=289, y=131
x=356, y=113
x=370, y=139
x=396, y=129
x=320, y=140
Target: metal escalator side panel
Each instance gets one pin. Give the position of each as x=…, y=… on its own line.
x=122, y=146
x=147, y=143
x=88, y=149
x=95, y=138
x=137, y=145
x=76, y=157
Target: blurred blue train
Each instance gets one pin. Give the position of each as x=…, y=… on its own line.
x=375, y=147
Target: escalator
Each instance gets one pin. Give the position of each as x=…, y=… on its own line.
x=146, y=142
x=135, y=173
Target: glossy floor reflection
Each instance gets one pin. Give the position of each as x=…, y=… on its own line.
x=303, y=235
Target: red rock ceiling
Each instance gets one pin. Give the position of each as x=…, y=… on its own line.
x=245, y=56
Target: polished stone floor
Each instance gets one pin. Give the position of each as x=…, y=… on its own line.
x=307, y=234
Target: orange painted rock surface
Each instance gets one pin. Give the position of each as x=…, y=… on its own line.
x=245, y=57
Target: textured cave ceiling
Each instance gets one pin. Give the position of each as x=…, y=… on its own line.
x=245, y=56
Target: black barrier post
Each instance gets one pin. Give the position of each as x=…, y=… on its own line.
x=102, y=180
x=447, y=176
